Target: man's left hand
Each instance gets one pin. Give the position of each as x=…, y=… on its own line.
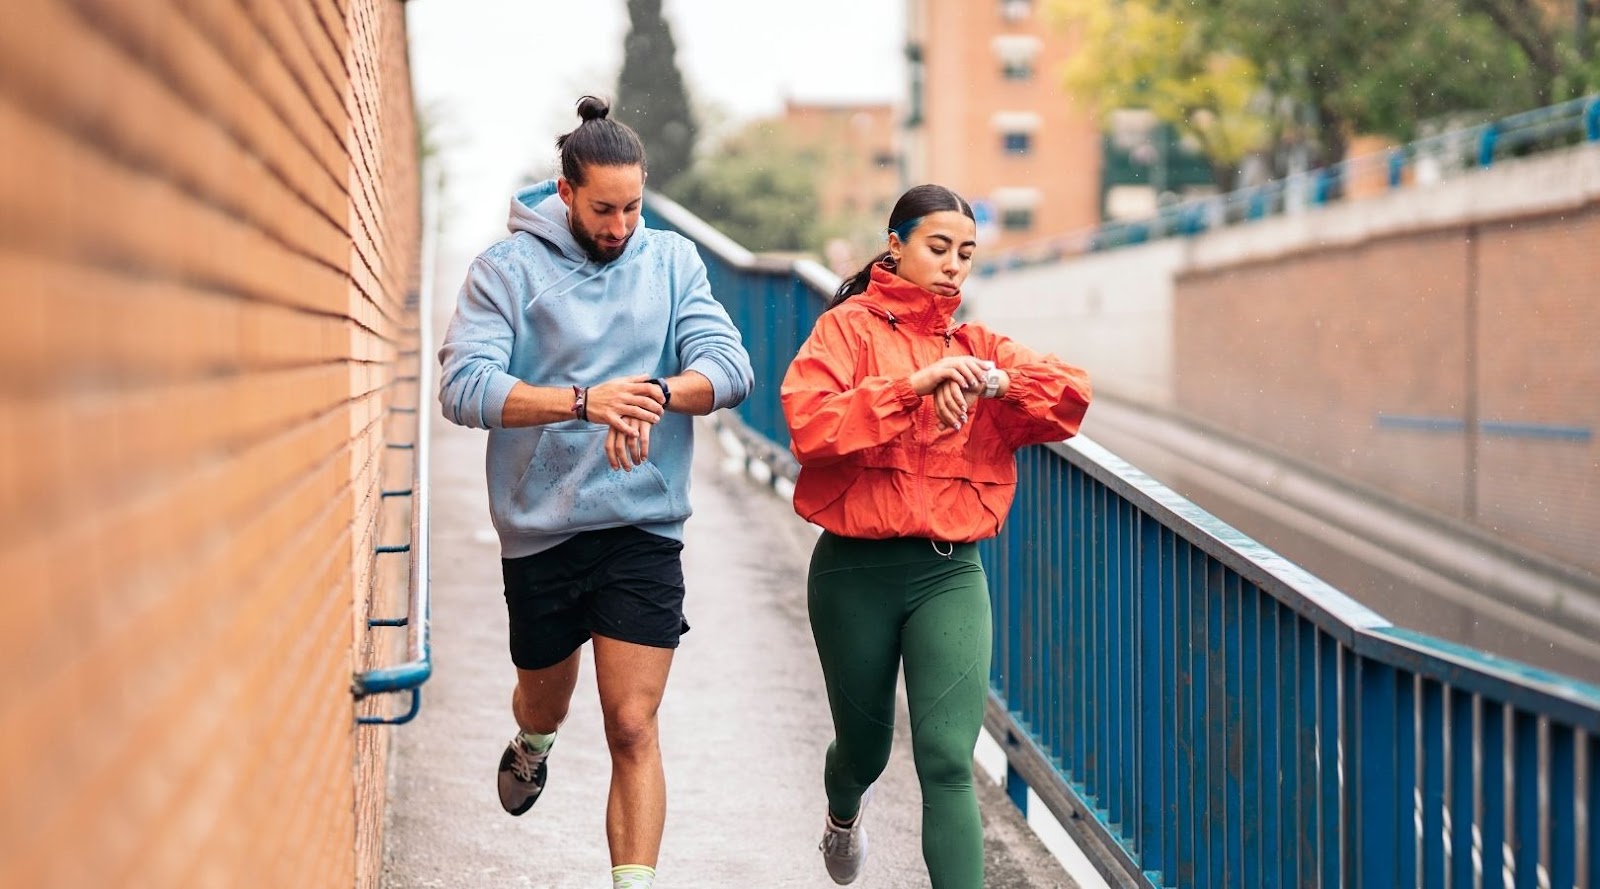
x=625, y=450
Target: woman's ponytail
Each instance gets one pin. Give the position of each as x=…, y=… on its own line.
x=857, y=282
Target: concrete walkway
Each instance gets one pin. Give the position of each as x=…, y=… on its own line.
x=744, y=723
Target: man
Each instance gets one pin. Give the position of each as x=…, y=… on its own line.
x=584, y=342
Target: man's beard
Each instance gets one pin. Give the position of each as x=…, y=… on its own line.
x=592, y=247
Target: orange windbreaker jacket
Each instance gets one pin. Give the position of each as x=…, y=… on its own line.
x=873, y=461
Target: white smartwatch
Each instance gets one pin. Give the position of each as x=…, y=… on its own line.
x=992, y=377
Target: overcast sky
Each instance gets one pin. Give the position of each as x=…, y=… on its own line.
x=501, y=77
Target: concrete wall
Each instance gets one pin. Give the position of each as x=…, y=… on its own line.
x=1434, y=344
x=208, y=233
x=1454, y=368
x=1109, y=312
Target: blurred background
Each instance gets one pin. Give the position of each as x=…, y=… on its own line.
x=1331, y=265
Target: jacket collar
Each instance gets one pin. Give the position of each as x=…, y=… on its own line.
x=899, y=301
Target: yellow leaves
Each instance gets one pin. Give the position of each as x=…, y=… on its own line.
x=1136, y=54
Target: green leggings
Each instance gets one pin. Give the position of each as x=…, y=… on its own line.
x=873, y=604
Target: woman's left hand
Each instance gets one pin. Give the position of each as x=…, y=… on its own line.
x=953, y=404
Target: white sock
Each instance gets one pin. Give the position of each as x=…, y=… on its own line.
x=536, y=742
x=632, y=876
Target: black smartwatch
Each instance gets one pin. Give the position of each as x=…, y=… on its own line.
x=666, y=391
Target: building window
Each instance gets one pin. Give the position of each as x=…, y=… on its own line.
x=1015, y=10
x=1016, y=219
x=1016, y=129
x=914, y=66
x=1016, y=54
x=1016, y=70
x=1016, y=206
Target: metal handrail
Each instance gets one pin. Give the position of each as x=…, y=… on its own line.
x=1132, y=630
x=1345, y=619
x=1481, y=145
x=418, y=667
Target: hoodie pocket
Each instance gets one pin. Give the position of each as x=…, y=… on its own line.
x=568, y=486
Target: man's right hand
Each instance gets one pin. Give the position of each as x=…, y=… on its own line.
x=617, y=402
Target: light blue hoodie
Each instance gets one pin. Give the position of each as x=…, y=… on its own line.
x=535, y=308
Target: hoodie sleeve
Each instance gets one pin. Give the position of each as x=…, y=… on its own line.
x=473, y=382
x=831, y=415
x=707, y=341
x=1047, y=398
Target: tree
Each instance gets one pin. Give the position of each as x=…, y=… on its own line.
x=1313, y=74
x=1371, y=66
x=651, y=96
x=1138, y=54
x=757, y=188
x=1559, y=52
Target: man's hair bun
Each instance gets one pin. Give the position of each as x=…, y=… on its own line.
x=593, y=108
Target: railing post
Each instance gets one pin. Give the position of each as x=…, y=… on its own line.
x=1016, y=788
x=1323, y=186
x=1258, y=203
x=1487, y=142
x=1591, y=120
x=1397, y=167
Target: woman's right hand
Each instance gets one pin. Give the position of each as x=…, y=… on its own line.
x=965, y=371
x=953, y=404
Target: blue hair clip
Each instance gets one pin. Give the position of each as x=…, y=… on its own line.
x=904, y=229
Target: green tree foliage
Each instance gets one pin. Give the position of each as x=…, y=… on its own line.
x=1235, y=74
x=758, y=188
x=651, y=96
x=1370, y=66
x=1142, y=54
x=1556, y=39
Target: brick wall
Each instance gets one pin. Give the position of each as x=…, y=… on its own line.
x=208, y=231
x=1451, y=366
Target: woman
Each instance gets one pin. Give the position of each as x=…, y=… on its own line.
x=905, y=424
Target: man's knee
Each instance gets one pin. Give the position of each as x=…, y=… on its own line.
x=544, y=703
x=631, y=730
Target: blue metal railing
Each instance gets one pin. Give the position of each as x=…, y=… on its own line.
x=1196, y=711
x=1218, y=717
x=1476, y=146
x=418, y=666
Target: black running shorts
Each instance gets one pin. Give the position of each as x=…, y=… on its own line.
x=621, y=583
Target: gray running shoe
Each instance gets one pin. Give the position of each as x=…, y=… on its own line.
x=844, y=849
x=522, y=774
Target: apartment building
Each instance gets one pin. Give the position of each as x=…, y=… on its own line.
x=988, y=116
x=859, y=167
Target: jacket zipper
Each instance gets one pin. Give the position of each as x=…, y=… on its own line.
x=925, y=443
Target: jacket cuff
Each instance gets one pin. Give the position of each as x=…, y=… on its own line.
x=723, y=394
x=906, y=395
x=1014, y=394
x=495, y=392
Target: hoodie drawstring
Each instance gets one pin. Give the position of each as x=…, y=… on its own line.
x=598, y=271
